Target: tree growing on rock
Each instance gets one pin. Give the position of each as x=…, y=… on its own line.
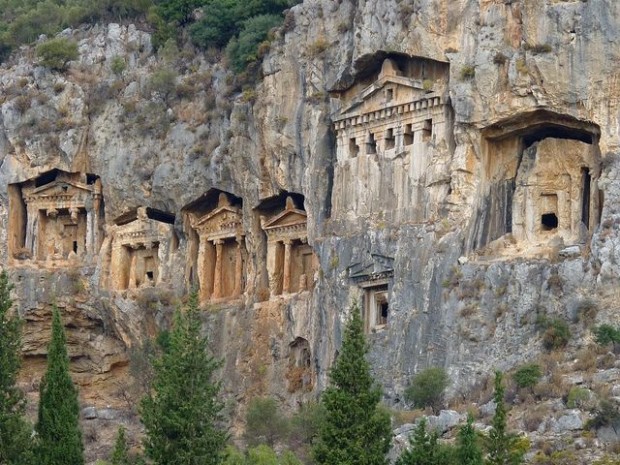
x=468, y=450
x=58, y=430
x=501, y=445
x=355, y=430
x=182, y=411
x=425, y=448
x=15, y=446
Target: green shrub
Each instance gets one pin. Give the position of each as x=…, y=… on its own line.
x=118, y=65
x=243, y=50
x=264, y=422
x=577, y=396
x=467, y=72
x=217, y=26
x=527, y=375
x=163, y=82
x=556, y=335
x=57, y=53
x=606, y=414
x=427, y=388
x=607, y=334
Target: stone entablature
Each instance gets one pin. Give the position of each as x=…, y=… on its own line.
x=386, y=135
x=221, y=250
x=291, y=262
x=140, y=248
x=56, y=218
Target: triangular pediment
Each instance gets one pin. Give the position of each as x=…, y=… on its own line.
x=374, y=267
x=287, y=218
x=372, y=98
x=225, y=214
x=62, y=188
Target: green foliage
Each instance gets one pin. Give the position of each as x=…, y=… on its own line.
x=120, y=455
x=182, y=412
x=118, y=65
x=163, y=82
x=243, y=50
x=577, y=396
x=57, y=53
x=608, y=460
x=556, y=332
x=527, y=375
x=58, y=432
x=607, y=414
x=425, y=449
x=15, y=447
x=427, y=388
x=219, y=23
x=502, y=446
x=264, y=422
x=259, y=455
x=354, y=430
x=607, y=334
x=467, y=72
x=468, y=449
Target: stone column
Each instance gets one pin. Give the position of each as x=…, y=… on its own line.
x=32, y=230
x=238, y=268
x=132, y=270
x=286, y=279
x=217, y=279
x=201, y=265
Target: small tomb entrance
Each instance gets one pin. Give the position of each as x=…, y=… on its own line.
x=220, y=255
x=141, y=239
x=291, y=262
x=55, y=217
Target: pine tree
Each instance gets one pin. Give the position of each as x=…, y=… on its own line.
x=58, y=430
x=501, y=445
x=468, y=451
x=120, y=455
x=182, y=411
x=354, y=431
x=15, y=447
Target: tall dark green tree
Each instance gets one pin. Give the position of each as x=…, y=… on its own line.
x=355, y=430
x=468, y=450
x=120, y=455
x=14, y=431
x=182, y=411
x=58, y=431
x=425, y=449
x=501, y=445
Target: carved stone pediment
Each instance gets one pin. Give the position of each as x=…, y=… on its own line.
x=60, y=191
x=375, y=268
x=222, y=222
x=287, y=222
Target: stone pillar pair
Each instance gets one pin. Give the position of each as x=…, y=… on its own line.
x=217, y=273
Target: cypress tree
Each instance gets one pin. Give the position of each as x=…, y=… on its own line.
x=425, y=449
x=355, y=430
x=468, y=449
x=58, y=430
x=501, y=445
x=15, y=447
x=182, y=411
x=120, y=455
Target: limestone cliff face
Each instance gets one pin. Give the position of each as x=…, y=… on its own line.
x=449, y=164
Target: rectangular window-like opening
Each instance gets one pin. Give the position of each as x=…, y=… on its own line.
x=549, y=221
x=586, y=180
x=354, y=149
x=371, y=144
x=427, y=130
x=390, y=140
x=376, y=307
x=75, y=246
x=408, y=135
x=389, y=95
x=150, y=275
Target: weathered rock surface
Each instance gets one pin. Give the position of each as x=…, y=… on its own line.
x=509, y=210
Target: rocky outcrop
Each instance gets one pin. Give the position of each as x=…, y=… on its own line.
x=449, y=165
